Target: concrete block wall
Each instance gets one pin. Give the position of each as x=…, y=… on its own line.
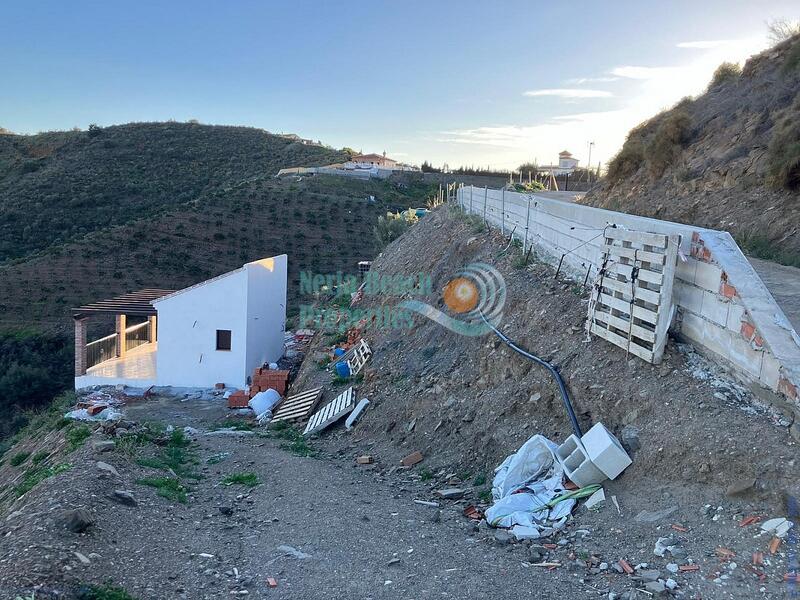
x=723, y=307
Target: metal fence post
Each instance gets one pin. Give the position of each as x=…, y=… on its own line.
x=471, y=189
x=527, y=224
x=503, y=212
x=485, y=200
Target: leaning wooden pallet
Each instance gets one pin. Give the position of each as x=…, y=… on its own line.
x=298, y=406
x=331, y=412
x=631, y=302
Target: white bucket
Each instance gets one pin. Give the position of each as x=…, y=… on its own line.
x=264, y=401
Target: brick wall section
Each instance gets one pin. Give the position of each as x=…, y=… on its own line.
x=80, y=347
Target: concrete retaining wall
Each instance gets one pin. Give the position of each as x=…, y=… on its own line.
x=724, y=308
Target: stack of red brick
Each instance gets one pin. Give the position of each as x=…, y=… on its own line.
x=264, y=379
x=238, y=399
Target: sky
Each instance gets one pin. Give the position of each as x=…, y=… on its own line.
x=464, y=82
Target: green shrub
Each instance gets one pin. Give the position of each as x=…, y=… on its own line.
x=627, y=161
x=667, y=143
x=103, y=592
x=388, y=230
x=76, y=436
x=725, y=73
x=168, y=487
x=19, y=458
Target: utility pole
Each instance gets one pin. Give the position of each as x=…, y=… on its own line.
x=589, y=163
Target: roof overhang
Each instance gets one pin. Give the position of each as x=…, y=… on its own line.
x=133, y=303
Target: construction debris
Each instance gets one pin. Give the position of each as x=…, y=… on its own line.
x=779, y=527
x=297, y=407
x=364, y=460
x=412, y=459
x=356, y=414
x=331, y=412
x=529, y=496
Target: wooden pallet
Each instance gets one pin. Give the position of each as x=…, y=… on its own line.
x=331, y=412
x=297, y=407
x=631, y=303
x=361, y=354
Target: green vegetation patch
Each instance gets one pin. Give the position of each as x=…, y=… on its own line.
x=76, y=436
x=36, y=475
x=19, y=458
x=177, y=456
x=248, y=479
x=783, y=159
x=295, y=442
x=107, y=591
x=170, y=488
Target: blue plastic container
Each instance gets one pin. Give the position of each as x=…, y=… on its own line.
x=338, y=352
x=343, y=370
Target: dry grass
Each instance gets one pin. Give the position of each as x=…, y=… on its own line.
x=725, y=73
x=784, y=150
x=667, y=143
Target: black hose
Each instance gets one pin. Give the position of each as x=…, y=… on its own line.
x=553, y=371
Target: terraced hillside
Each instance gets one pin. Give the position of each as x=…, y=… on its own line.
x=324, y=224
x=57, y=187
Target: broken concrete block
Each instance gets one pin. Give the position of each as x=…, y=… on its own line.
x=356, y=414
x=364, y=460
x=780, y=526
x=576, y=462
x=596, y=500
x=605, y=451
x=412, y=459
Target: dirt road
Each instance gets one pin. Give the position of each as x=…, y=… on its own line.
x=325, y=527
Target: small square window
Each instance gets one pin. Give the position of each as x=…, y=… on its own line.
x=223, y=339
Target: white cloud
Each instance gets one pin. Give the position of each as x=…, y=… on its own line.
x=570, y=93
x=649, y=89
x=705, y=44
x=582, y=80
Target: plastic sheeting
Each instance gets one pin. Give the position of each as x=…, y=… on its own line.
x=524, y=487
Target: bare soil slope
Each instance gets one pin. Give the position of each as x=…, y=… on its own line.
x=467, y=402
x=728, y=159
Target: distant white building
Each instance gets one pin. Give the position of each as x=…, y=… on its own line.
x=566, y=164
x=217, y=331
x=363, y=166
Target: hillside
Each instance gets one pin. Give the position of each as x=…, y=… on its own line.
x=324, y=224
x=56, y=187
x=728, y=159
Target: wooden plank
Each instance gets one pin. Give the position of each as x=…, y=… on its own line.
x=639, y=255
x=622, y=305
x=659, y=240
x=666, y=312
x=622, y=342
x=644, y=274
x=636, y=330
x=639, y=293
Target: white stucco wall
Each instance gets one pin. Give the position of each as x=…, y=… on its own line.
x=266, y=310
x=187, y=333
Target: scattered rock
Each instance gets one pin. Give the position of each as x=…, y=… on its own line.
x=124, y=497
x=629, y=436
x=503, y=537
x=655, y=587
x=82, y=558
x=104, y=445
x=649, y=575
x=537, y=553
x=292, y=551
x=412, y=459
x=740, y=486
x=107, y=468
x=77, y=520
x=651, y=516
x=450, y=493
